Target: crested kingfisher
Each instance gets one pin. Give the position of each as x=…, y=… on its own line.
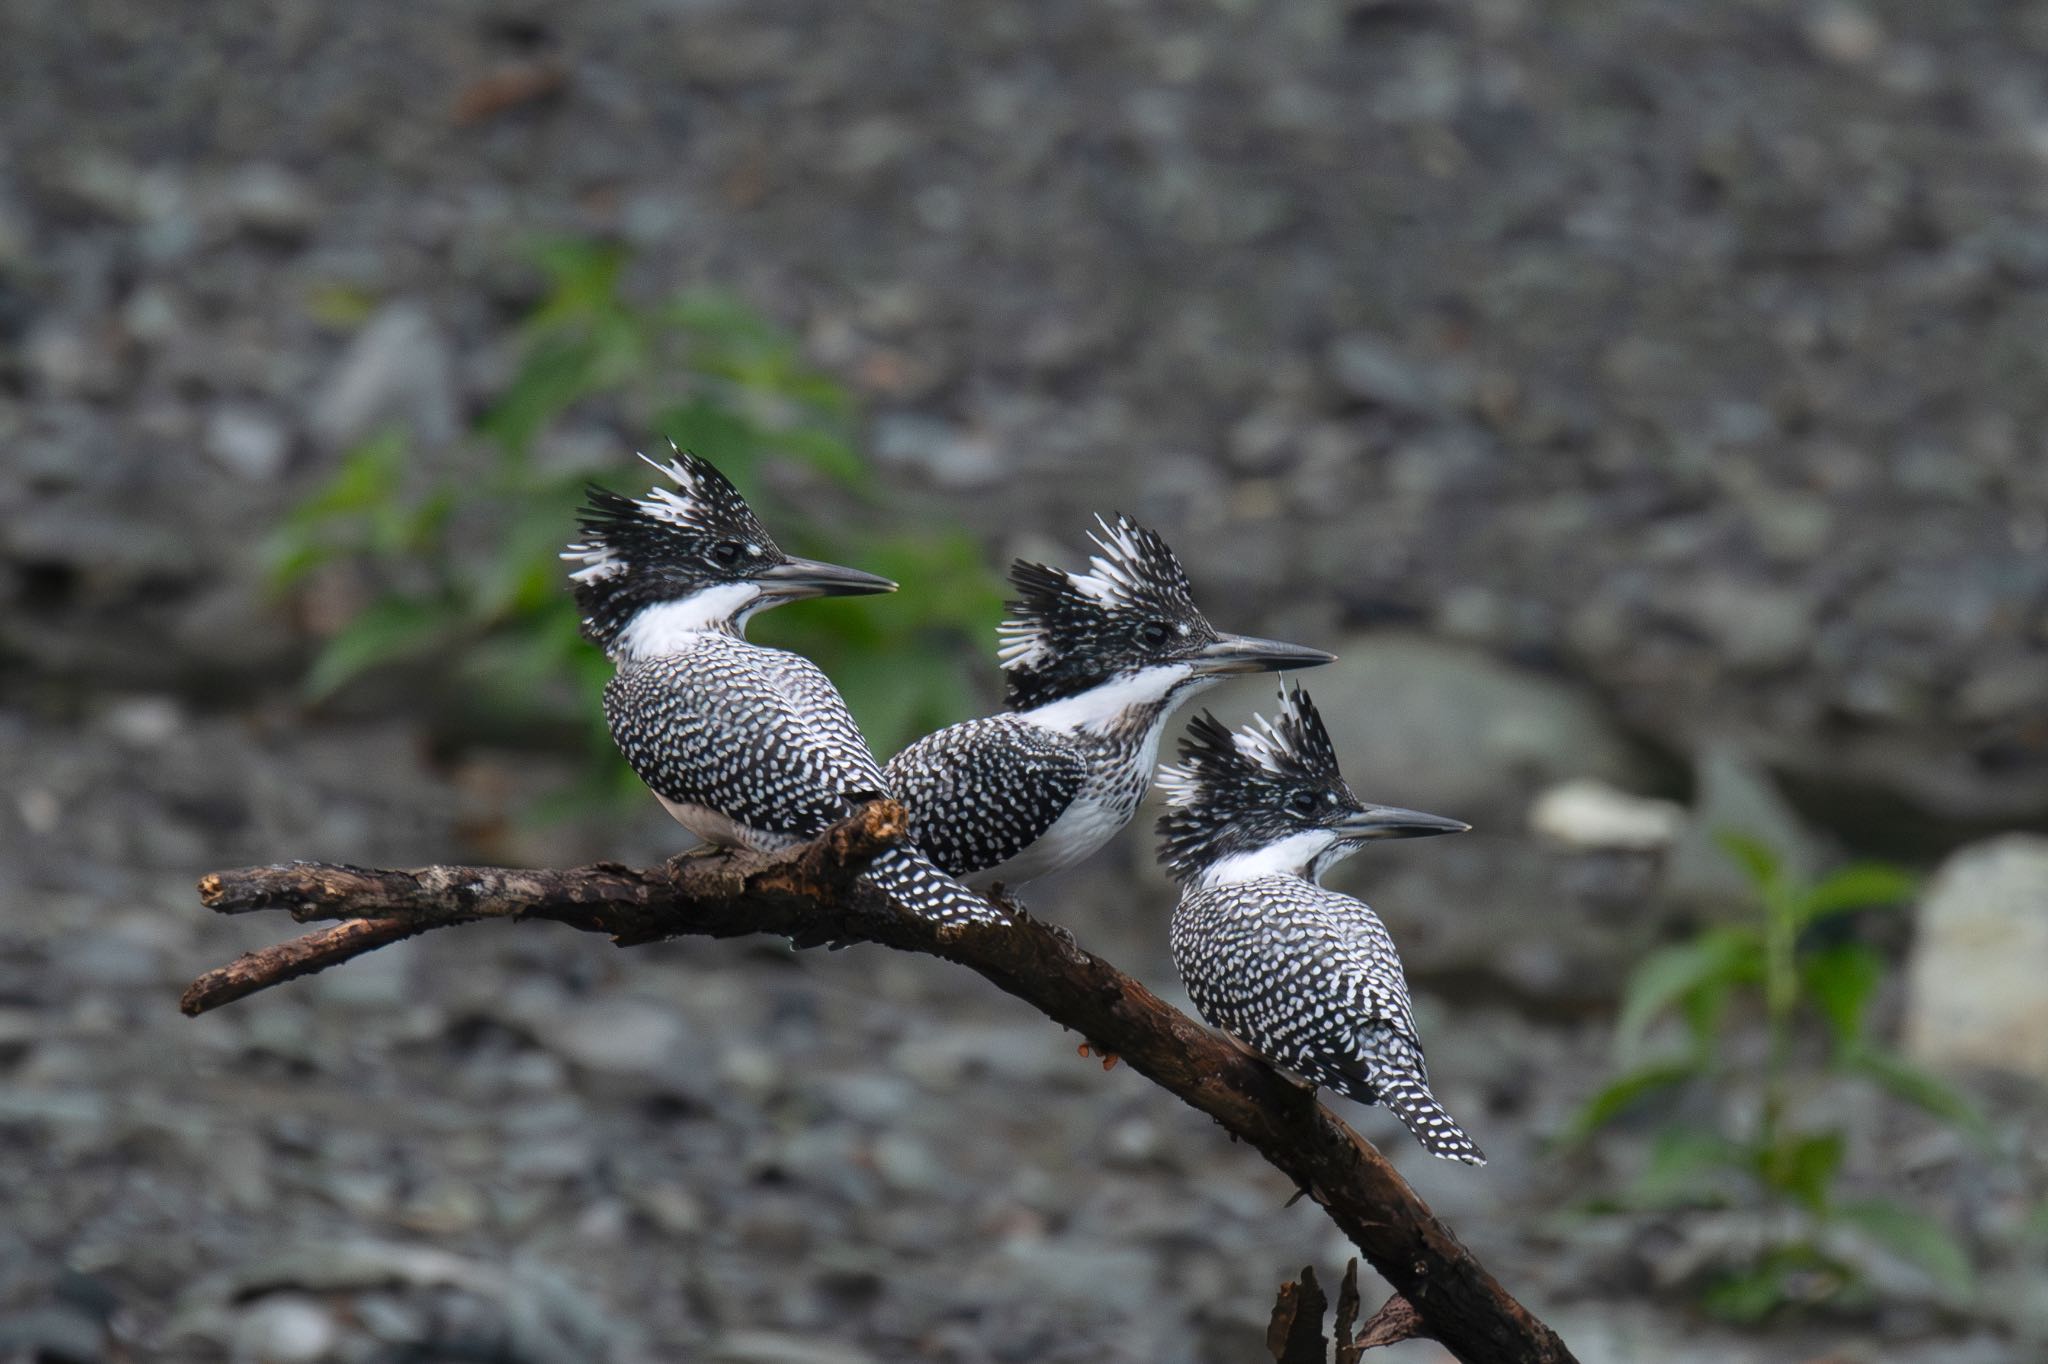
x=1095, y=663
x=745, y=746
x=1307, y=977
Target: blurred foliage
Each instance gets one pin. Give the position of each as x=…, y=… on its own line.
x=466, y=569
x=1801, y=960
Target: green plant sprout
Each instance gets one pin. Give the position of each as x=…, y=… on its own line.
x=1804, y=971
x=466, y=568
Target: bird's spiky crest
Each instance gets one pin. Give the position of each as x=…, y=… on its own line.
x=1215, y=761
x=635, y=552
x=1066, y=630
x=1230, y=789
x=619, y=532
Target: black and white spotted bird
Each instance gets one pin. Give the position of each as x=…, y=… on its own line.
x=1308, y=977
x=1096, y=662
x=746, y=746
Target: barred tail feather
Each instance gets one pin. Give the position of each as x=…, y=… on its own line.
x=1409, y=1099
x=909, y=878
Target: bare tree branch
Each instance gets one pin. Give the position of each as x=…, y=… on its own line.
x=813, y=895
x=1295, y=1335
x=1396, y=1321
x=1348, y=1351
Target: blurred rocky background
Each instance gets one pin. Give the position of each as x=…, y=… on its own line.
x=1645, y=399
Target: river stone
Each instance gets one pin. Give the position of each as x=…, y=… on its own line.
x=1594, y=816
x=397, y=371
x=1449, y=728
x=1980, y=953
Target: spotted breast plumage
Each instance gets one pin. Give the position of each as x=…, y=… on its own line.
x=744, y=745
x=1095, y=664
x=1308, y=977
x=750, y=733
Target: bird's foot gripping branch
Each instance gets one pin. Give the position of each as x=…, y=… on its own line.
x=815, y=894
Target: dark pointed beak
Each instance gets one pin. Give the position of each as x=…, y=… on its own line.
x=812, y=578
x=1391, y=821
x=1244, y=654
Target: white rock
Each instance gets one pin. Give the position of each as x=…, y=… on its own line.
x=775, y=1347
x=286, y=1328
x=270, y=199
x=1844, y=33
x=247, y=442
x=1757, y=626
x=396, y=371
x=40, y=809
x=950, y=456
x=71, y=360
x=619, y=1035
x=1980, y=957
x=145, y=721
x=1591, y=814
x=1377, y=370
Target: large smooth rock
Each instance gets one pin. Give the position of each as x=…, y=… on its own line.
x=1448, y=728
x=1980, y=956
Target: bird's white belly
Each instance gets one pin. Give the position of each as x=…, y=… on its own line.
x=713, y=827
x=1080, y=830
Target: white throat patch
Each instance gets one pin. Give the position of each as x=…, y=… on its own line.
x=1295, y=855
x=665, y=627
x=1106, y=703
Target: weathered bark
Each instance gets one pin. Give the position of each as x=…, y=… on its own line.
x=1396, y=1321
x=1348, y=1350
x=814, y=895
x=1295, y=1335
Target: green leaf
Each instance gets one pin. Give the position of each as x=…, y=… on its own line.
x=1803, y=1166
x=1797, y=1273
x=720, y=317
x=421, y=529
x=1759, y=861
x=343, y=515
x=290, y=555
x=1906, y=1081
x=583, y=280
x=1841, y=981
x=958, y=590
x=557, y=372
x=1625, y=1092
x=525, y=574
x=825, y=451
x=1918, y=1239
x=1719, y=957
x=1861, y=885
x=368, y=476
x=712, y=430
x=1746, y=1296
x=391, y=629
x=1688, y=1167
x=340, y=305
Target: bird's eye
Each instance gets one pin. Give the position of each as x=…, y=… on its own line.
x=1153, y=633
x=1304, y=802
x=725, y=553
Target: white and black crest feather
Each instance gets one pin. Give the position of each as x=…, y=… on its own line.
x=1067, y=631
x=1232, y=791
x=635, y=552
